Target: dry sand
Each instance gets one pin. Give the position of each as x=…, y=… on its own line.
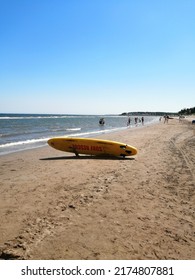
x=56, y=206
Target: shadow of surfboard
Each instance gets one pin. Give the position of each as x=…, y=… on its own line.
x=87, y=157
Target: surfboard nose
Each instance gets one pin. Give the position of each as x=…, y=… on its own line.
x=134, y=151
x=131, y=151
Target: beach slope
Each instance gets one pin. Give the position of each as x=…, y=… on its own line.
x=54, y=205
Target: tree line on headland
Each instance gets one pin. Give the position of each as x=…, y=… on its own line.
x=186, y=111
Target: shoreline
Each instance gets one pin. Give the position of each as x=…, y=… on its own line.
x=36, y=141
x=101, y=135
x=56, y=206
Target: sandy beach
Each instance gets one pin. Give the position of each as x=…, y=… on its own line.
x=56, y=206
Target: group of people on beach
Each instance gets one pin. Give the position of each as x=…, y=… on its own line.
x=136, y=120
x=166, y=118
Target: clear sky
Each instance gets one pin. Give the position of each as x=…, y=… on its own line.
x=96, y=56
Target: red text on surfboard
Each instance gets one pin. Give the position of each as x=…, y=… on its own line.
x=87, y=148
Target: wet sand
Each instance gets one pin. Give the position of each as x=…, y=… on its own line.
x=56, y=206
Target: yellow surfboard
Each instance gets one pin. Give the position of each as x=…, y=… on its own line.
x=91, y=146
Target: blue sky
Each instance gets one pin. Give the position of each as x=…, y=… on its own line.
x=96, y=56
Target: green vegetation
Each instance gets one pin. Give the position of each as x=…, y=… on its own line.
x=187, y=111
x=148, y=114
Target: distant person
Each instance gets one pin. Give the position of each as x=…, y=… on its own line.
x=142, y=120
x=136, y=119
x=102, y=121
x=128, y=121
x=180, y=118
x=166, y=117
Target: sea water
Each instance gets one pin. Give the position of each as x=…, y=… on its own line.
x=26, y=131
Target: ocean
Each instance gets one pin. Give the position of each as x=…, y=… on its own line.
x=27, y=131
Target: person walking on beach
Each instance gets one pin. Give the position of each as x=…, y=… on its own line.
x=166, y=117
x=142, y=120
